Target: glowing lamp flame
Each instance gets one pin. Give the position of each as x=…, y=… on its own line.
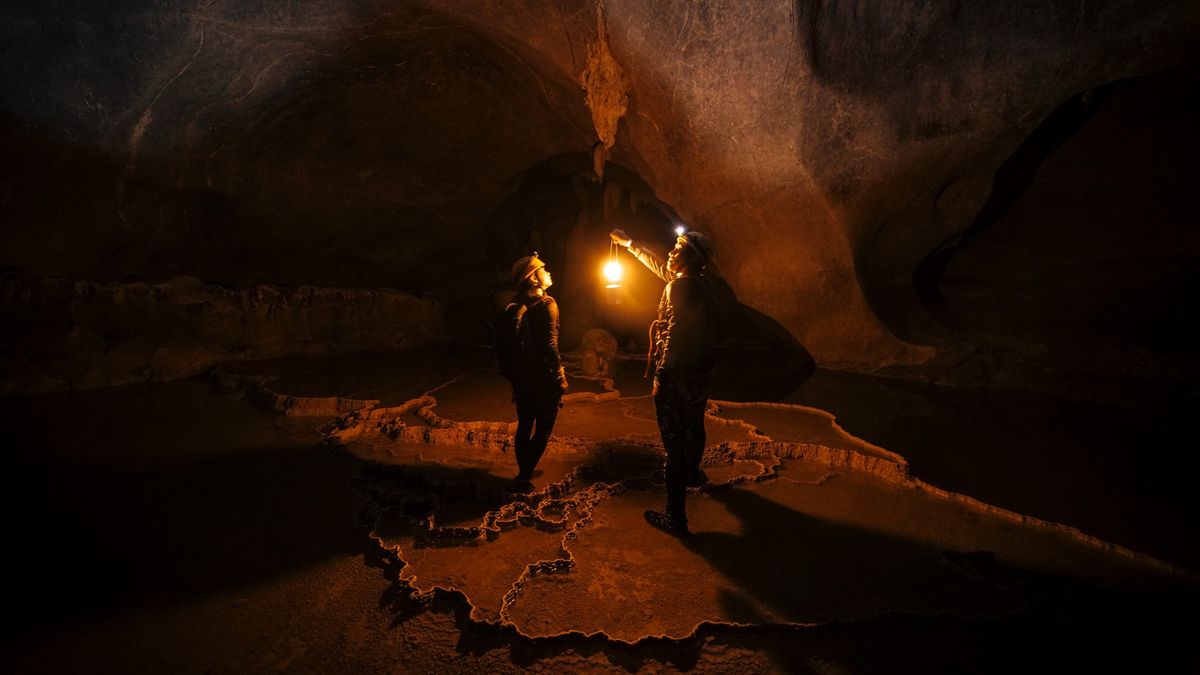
x=613, y=272
x=679, y=230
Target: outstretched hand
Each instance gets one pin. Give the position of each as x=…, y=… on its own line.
x=620, y=238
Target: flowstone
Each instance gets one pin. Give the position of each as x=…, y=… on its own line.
x=801, y=524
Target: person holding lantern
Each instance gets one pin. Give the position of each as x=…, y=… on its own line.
x=682, y=354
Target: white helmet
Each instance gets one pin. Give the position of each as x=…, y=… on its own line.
x=698, y=242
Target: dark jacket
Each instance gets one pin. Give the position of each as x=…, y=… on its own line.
x=684, y=336
x=541, y=366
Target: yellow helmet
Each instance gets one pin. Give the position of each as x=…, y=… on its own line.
x=525, y=267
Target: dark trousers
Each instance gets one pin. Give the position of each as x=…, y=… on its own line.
x=536, y=412
x=679, y=403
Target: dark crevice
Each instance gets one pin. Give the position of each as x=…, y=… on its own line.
x=1014, y=177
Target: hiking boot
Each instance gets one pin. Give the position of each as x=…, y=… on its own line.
x=667, y=523
x=521, y=487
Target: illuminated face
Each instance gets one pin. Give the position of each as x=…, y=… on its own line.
x=678, y=258
x=543, y=277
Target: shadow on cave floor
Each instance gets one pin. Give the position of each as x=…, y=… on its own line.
x=169, y=495
x=1117, y=473
x=807, y=546
x=1068, y=621
x=1121, y=474
x=148, y=495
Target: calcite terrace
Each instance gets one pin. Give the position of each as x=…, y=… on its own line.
x=801, y=524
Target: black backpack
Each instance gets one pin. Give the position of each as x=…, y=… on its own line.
x=508, y=339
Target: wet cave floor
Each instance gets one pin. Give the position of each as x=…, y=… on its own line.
x=352, y=514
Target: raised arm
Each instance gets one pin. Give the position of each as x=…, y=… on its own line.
x=647, y=257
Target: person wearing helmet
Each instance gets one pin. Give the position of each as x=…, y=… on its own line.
x=682, y=354
x=539, y=380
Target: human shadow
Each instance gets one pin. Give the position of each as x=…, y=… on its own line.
x=758, y=359
x=922, y=608
x=1037, y=453
x=405, y=494
x=793, y=567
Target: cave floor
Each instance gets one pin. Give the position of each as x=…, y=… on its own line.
x=352, y=514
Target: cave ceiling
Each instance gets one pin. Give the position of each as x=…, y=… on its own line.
x=827, y=147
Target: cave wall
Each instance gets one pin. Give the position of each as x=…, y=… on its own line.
x=830, y=146
x=58, y=335
x=343, y=144
x=1102, y=242
x=827, y=147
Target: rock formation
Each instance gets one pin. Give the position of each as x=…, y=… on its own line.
x=834, y=151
